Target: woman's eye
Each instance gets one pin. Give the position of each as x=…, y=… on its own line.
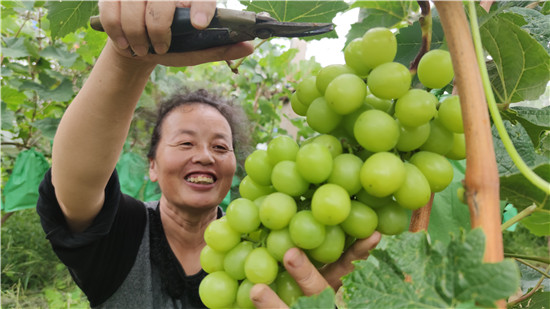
x=186, y=144
x=221, y=148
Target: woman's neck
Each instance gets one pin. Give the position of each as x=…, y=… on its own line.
x=184, y=230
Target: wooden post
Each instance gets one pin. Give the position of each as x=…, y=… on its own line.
x=482, y=179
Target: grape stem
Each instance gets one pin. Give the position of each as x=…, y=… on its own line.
x=535, y=179
x=541, y=259
x=421, y=217
x=515, y=219
x=529, y=294
x=425, y=21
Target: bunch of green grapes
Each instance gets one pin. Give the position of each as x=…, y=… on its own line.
x=382, y=149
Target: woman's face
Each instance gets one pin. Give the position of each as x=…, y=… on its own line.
x=195, y=162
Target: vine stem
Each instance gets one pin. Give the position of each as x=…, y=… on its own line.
x=482, y=182
x=533, y=267
x=515, y=219
x=527, y=257
x=495, y=114
x=421, y=217
x=526, y=296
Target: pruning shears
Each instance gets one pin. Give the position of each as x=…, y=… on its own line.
x=229, y=27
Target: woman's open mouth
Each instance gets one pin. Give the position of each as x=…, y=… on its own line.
x=201, y=178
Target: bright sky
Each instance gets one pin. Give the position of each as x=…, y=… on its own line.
x=325, y=51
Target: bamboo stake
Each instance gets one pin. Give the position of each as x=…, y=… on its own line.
x=481, y=180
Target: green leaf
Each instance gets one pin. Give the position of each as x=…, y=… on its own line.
x=62, y=93
x=412, y=273
x=409, y=41
x=388, y=14
x=539, y=299
x=522, y=143
x=516, y=189
x=324, y=300
x=12, y=97
x=48, y=126
x=14, y=48
x=300, y=11
x=68, y=16
x=535, y=121
x=64, y=57
x=449, y=215
x=538, y=223
x=8, y=117
x=92, y=45
x=520, y=65
x=535, y=23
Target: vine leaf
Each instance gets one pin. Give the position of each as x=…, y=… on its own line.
x=534, y=120
x=412, y=273
x=389, y=14
x=519, y=67
x=538, y=223
x=324, y=300
x=300, y=11
x=67, y=16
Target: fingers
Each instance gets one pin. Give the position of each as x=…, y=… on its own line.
x=201, y=13
x=132, y=18
x=229, y=52
x=110, y=20
x=306, y=275
x=358, y=251
x=158, y=18
x=264, y=297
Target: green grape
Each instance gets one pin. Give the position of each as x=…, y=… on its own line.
x=282, y=148
x=305, y=231
x=260, y=266
x=249, y=189
x=258, y=167
x=435, y=69
x=416, y=107
x=211, y=260
x=389, y=80
x=332, y=247
x=258, y=235
x=450, y=114
x=330, y=204
x=243, y=215
x=243, y=295
x=286, y=178
x=461, y=195
x=218, y=290
x=379, y=104
x=411, y=138
x=307, y=90
x=345, y=172
x=376, y=131
x=287, y=288
x=321, y=118
x=440, y=139
x=276, y=210
x=233, y=263
x=328, y=73
x=392, y=219
x=220, y=236
x=348, y=122
x=353, y=55
x=298, y=107
x=361, y=222
x=278, y=242
x=371, y=200
x=458, y=151
x=314, y=162
x=437, y=169
x=345, y=93
x=379, y=46
x=331, y=142
x=382, y=174
x=415, y=190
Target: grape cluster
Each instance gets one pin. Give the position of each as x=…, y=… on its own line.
x=382, y=149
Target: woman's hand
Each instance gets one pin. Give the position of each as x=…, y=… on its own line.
x=310, y=280
x=135, y=26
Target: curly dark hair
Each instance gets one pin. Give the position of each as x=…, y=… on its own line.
x=233, y=113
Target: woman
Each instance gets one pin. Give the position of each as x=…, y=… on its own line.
x=121, y=252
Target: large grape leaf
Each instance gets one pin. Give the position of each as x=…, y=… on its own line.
x=414, y=273
x=67, y=16
x=535, y=121
x=300, y=11
x=538, y=223
x=520, y=66
x=325, y=300
x=514, y=187
x=389, y=14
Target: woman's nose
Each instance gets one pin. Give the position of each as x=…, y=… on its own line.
x=203, y=155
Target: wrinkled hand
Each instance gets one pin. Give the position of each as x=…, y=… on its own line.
x=310, y=280
x=137, y=25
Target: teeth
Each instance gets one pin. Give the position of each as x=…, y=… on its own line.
x=200, y=179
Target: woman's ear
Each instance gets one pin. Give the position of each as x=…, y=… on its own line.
x=153, y=170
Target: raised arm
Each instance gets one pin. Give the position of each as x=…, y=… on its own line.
x=92, y=131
